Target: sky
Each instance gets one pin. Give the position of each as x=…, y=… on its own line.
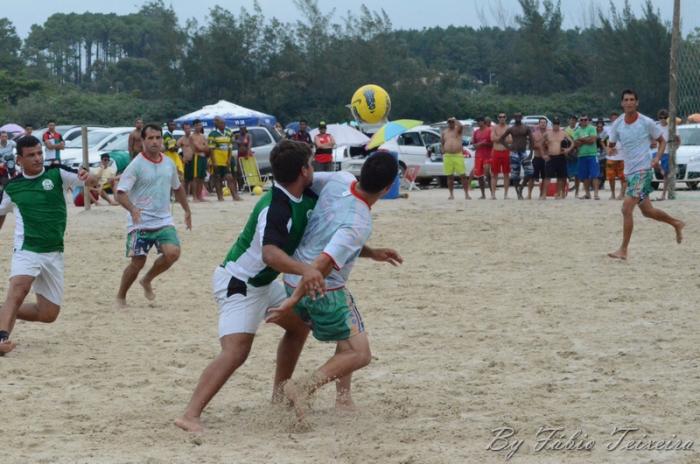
x=404, y=14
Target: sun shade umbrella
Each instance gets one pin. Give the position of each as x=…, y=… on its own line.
x=12, y=128
x=391, y=130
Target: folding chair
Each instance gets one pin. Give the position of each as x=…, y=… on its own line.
x=410, y=176
x=250, y=173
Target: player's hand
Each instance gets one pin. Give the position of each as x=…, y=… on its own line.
x=313, y=282
x=387, y=255
x=655, y=163
x=188, y=220
x=275, y=315
x=136, y=215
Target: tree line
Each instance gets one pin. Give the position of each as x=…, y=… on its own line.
x=109, y=68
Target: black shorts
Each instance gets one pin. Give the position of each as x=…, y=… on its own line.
x=221, y=171
x=538, y=168
x=556, y=167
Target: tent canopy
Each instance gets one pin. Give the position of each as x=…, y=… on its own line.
x=233, y=114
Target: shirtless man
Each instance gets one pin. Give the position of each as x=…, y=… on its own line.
x=538, y=161
x=135, y=142
x=184, y=144
x=521, y=135
x=200, y=147
x=500, y=158
x=452, y=158
x=555, y=157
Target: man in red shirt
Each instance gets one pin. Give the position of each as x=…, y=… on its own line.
x=324, y=143
x=481, y=139
x=54, y=144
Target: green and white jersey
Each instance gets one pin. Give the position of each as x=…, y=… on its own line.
x=40, y=208
x=279, y=218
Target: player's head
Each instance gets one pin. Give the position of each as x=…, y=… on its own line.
x=138, y=124
x=187, y=128
x=30, y=155
x=556, y=124
x=378, y=172
x=171, y=125
x=219, y=123
x=291, y=160
x=629, y=100
x=198, y=127
x=542, y=123
x=152, y=136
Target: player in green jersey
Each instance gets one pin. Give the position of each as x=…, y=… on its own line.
x=37, y=198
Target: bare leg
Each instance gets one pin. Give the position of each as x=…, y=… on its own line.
x=288, y=351
x=482, y=187
x=596, y=186
x=587, y=188
x=18, y=291
x=233, y=187
x=217, y=186
x=450, y=187
x=465, y=186
x=170, y=254
x=561, y=188
x=611, y=183
x=494, y=183
x=41, y=311
x=530, y=187
x=234, y=352
x=128, y=277
x=665, y=190
x=628, y=206
x=506, y=185
x=623, y=187
x=657, y=214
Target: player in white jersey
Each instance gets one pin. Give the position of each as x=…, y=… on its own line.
x=632, y=132
x=335, y=236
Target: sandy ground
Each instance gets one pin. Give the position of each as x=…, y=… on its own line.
x=505, y=314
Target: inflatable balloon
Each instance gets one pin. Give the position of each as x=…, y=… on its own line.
x=370, y=104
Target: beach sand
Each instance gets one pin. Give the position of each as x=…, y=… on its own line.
x=504, y=314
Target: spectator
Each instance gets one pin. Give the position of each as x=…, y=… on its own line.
x=585, y=138
x=614, y=163
x=54, y=144
x=302, y=135
x=664, y=167
x=171, y=151
x=135, y=141
x=7, y=158
x=28, y=129
x=601, y=135
x=106, y=172
x=572, y=157
x=219, y=141
x=481, y=139
x=557, y=144
x=324, y=143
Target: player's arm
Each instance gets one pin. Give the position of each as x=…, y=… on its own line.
x=502, y=138
x=131, y=143
x=660, y=151
x=126, y=182
x=387, y=255
x=5, y=206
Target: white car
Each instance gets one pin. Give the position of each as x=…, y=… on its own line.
x=72, y=155
x=687, y=157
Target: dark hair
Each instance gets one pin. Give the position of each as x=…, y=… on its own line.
x=303, y=120
x=663, y=113
x=629, y=92
x=480, y=119
x=28, y=141
x=170, y=121
x=155, y=127
x=614, y=113
x=28, y=125
x=50, y=121
x=542, y=119
x=186, y=124
x=556, y=121
x=287, y=158
x=378, y=171
x=573, y=116
x=196, y=121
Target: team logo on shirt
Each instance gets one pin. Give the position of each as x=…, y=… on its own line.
x=47, y=184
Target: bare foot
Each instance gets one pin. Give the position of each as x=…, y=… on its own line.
x=493, y=197
x=345, y=406
x=596, y=197
x=120, y=303
x=190, y=424
x=679, y=231
x=612, y=197
x=542, y=198
x=467, y=197
x=237, y=198
x=451, y=197
x=619, y=254
x=295, y=395
x=619, y=197
x=147, y=290
x=6, y=346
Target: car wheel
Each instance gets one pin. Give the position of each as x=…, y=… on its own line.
x=692, y=185
x=424, y=181
x=442, y=181
x=655, y=185
x=402, y=170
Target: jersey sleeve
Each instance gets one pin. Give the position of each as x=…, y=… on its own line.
x=128, y=177
x=346, y=243
x=6, y=204
x=276, y=225
x=174, y=179
x=69, y=177
x=320, y=181
x=613, y=135
x=655, y=130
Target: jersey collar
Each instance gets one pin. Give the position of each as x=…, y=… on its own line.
x=43, y=170
x=150, y=160
x=286, y=192
x=353, y=190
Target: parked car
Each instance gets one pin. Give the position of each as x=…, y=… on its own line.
x=533, y=120
x=262, y=141
x=72, y=155
x=687, y=157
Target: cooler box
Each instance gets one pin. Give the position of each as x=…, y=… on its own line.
x=552, y=188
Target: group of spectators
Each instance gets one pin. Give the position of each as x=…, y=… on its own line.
x=575, y=155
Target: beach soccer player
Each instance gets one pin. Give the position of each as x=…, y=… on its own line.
x=144, y=191
x=338, y=230
x=633, y=132
x=37, y=198
x=245, y=286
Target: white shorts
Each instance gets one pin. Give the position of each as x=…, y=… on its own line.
x=47, y=270
x=239, y=312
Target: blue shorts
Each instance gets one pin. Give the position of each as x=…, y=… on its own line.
x=572, y=168
x=518, y=160
x=588, y=168
x=665, y=160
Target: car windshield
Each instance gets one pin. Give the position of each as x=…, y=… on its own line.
x=689, y=135
x=94, y=138
x=120, y=143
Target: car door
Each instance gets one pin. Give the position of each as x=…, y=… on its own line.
x=412, y=150
x=433, y=165
x=261, y=143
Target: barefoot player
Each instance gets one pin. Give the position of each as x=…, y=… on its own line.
x=336, y=235
x=633, y=132
x=144, y=191
x=37, y=198
x=245, y=286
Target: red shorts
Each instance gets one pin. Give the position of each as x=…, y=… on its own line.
x=479, y=163
x=500, y=162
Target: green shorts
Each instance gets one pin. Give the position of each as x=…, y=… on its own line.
x=140, y=242
x=196, y=168
x=453, y=164
x=333, y=317
x=221, y=171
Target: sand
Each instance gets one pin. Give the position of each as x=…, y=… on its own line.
x=505, y=314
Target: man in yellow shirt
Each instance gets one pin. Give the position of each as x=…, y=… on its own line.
x=170, y=149
x=220, y=148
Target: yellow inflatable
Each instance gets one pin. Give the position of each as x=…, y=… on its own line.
x=370, y=104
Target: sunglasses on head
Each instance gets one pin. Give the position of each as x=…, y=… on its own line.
x=501, y=117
